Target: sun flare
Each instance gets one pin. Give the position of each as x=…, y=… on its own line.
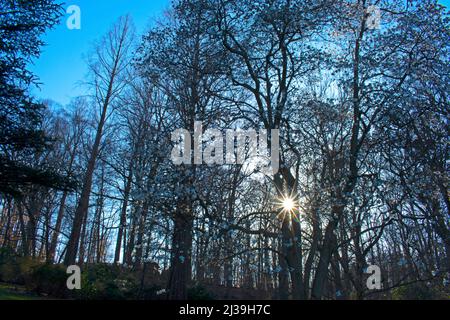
x=288, y=204
x=288, y=207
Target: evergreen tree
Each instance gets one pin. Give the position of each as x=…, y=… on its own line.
x=21, y=25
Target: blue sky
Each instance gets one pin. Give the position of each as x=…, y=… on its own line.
x=61, y=65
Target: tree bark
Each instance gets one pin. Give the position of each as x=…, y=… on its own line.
x=180, y=270
x=123, y=217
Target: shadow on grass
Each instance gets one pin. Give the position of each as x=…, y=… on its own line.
x=13, y=292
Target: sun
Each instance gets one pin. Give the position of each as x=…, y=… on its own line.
x=288, y=204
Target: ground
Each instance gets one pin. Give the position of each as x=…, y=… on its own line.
x=14, y=292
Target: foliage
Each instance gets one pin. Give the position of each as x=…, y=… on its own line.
x=49, y=279
x=22, y=23
x=9, y=292
x=102, y=281
x=14, y=268
x=419, y=291
x=199, y=292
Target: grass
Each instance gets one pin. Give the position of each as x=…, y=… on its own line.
x=10, y=292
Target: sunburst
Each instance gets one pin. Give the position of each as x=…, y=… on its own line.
x=288, y=206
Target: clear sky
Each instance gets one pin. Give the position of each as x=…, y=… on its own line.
x=61, y=66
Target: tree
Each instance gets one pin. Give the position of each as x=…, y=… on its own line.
x=22, y=23
x=108, y=67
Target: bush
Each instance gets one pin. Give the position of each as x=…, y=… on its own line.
x=102, y=281
x=98, y=281
x=7, y=254
x=15, y=269
x=49, y=279
x=418, y=291
x=8, y=265
x=154, y=292
x=199, y=293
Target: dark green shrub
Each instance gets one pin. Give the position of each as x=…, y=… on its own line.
x=17, y=270
x=152, y=293
x=8, y=265
x=417, y=291
x=49, y=279
x=106, y=282
x=7, y=254
x=198, y=292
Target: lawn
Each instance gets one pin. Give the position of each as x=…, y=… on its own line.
x=11, y=292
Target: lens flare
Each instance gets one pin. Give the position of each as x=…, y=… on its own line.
x=288, y=204
x=288, y=207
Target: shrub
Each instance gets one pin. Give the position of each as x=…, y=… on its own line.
x=102, y=281
x=154, y=292
x=417, y=291
x=49, y=279
x=16, y=269
x=199, y=292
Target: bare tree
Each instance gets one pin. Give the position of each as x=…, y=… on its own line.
x=108, y=65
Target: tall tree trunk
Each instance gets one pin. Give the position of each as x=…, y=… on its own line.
x=128, y=253
x=123, y=216
x=117, y=46
x=6, y=237
x=83, y=240
x=143, y=211
x=83, y=204
x=57, y=228
x=326, y=252
x=283, y=274
x=291, y=234
x=180, y=269
x=60, y=216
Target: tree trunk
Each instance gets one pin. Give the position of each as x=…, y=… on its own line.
x=123, y=217
x=57, y=228
x=180, y=270
x=324, y=261
x=117, y=39
x=83, y=204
